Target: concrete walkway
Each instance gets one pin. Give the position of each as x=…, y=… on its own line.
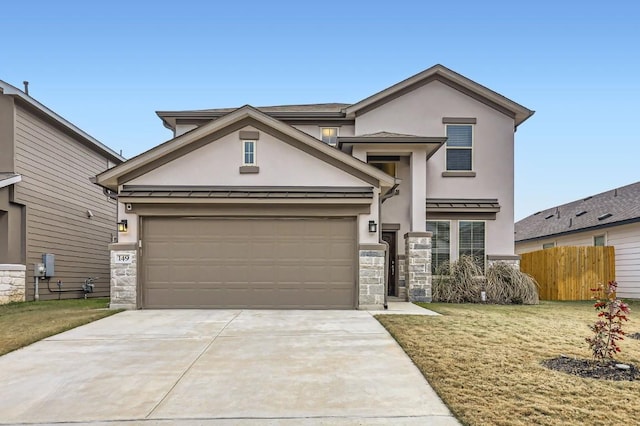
x=220, y=367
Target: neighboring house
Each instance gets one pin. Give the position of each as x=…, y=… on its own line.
x=317, y=206
x=611, y=218
x=47, y=203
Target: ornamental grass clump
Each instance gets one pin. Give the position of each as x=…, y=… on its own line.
x=462, y=281
x=607, y=331
x=508, y=285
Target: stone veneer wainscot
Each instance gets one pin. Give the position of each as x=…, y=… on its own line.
x=12, y=283
x=124, y=293
x=509, y=260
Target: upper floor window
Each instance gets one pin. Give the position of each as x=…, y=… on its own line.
x=599, y=241
x=459, y=147
x=471, y=241
x=249, y=153
x=548, y=246
x=329, y=135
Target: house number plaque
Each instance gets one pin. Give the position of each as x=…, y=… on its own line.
x=123, y=258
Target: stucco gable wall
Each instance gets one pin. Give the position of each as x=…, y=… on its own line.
x=420, y=112
x=218, y=163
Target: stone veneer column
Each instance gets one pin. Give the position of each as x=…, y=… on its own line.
x=402, y=277
x=12, y=283
x=508, y=259
x=418, y=266
x=371, y=276
x=124, y=276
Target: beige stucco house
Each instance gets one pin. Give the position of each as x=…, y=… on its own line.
x=47, y=203
x=611, y=218
x=326, y=206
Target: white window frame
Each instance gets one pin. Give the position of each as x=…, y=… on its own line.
x=484, y=260
x=450, y=222
x=337, y=129
x=604, y=237
x=447, y=148
x=553, y=244
x=244, y=152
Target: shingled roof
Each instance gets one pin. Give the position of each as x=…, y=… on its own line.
x=614, y=207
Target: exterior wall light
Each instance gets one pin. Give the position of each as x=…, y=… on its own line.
x=122, y=225
x=373, y=226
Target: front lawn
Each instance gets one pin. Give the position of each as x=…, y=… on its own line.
x=27, y=322
x=484, y=362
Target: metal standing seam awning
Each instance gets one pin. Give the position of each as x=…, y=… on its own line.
x=451, y=205
x=226, y=192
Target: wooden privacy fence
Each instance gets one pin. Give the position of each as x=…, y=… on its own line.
x=568, y=273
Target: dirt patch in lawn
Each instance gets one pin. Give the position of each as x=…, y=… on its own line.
x=594, y=370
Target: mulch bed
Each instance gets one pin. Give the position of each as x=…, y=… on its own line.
x=592, y=370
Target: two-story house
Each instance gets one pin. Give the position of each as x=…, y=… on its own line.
x=317, y=206
x=48, y=206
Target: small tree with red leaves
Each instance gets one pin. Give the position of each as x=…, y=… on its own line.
x=608, y=328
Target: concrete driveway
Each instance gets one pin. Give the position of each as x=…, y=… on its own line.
x=219, y=367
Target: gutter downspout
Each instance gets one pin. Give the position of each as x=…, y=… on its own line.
x=390, y=193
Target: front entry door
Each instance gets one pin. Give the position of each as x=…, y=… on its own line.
x=390, y=238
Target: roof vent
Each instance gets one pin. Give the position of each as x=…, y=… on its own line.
x=570, y=222
x=26, y=87
x=549, y=216
x=588, y=198
x=537, y=213
x=615, y=192
x=604, y=216
x=580, y=213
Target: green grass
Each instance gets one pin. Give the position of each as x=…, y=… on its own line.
x=27, y=322
x=484, y=362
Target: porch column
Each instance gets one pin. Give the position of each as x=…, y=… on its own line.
x=418, y=266
x=419, y=190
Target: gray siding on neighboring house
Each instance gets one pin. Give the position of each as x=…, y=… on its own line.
x=56, y=190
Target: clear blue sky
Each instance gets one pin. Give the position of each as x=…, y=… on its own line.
x=108, y=66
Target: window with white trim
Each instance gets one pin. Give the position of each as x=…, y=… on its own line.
x=459, y=147
x=329, y=135
x=440, y=243
x=249, y=153
x=548, y=246
x=471, y=241
x=599, y=241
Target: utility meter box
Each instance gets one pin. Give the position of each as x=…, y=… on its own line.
x=38, y=270
x=48, y=260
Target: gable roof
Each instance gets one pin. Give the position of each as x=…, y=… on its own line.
x=341, y=111
x=330, y=111
x=445, y=75
x=32, y=104
x=610, y=208
x=242, y=117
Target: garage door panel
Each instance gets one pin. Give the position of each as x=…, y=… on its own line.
x=248, y=263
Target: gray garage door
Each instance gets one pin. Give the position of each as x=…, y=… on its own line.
x=248, y=263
